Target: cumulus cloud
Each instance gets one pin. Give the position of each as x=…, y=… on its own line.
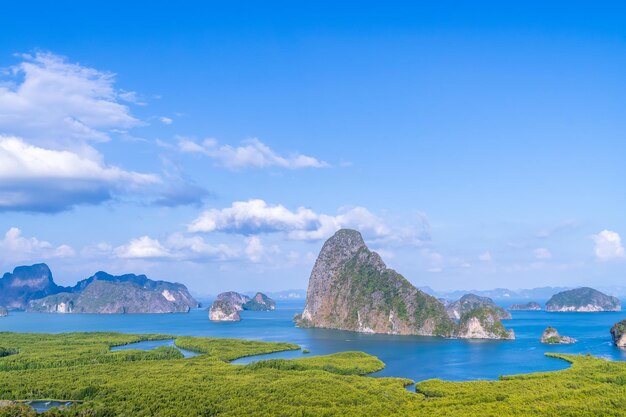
x=608, y=245
x=45, y=98
x=142, y=248
x=50, y=112
x=17, y=248
x=38, y=179
x=166, y=120
x=251, y=154
x=175, y=247
x=542, y=253
x=256, y=216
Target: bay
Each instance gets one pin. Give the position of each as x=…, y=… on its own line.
x=413, y=357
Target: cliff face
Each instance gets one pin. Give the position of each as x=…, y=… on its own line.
x=583, y=300
x=470, y=302
x=530, y=306
x=482, y=323
x=26, y=283
x=108, y=294
x=350, y=288
x=618, y=333
x=227, y=306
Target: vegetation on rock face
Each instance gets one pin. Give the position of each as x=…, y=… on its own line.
x=260, y=302
x=552, y=337
x=583, y=299
x=618, y=333
x=351, y=289
x=227, y=305
x=471, y=302
x=482, y=323
x=80, y=366
x=105, y=293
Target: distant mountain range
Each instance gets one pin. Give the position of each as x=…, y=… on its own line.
x=503, y=294
x=32, y=288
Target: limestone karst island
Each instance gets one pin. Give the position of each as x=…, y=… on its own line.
x=312, y=209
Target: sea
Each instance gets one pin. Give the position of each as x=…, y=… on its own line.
x=414, y=357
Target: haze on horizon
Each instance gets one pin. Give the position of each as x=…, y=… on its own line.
x=220, y=145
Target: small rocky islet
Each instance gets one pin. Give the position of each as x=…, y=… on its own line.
x=551, y=336
x=228, y=305
x=530, y=306
x=583, y=300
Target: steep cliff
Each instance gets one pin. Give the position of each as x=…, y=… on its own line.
x=227, y=306
x=350, y=288
x=26, y=283
x=482, y=323
x=618, y=333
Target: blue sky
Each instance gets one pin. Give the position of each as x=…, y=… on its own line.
x=219, y=145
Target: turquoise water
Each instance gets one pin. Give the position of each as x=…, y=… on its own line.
x=412, y=357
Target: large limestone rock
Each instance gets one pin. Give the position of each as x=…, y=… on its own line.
x=583, y=299
x=530, y=306
x=3, y=312
x=351, y=288
x=109, y=294
x=471, y=302
x=482, y=323
x=618, y=333
x=551, y=336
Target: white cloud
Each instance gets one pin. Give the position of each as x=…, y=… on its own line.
x=16, y=248
x=251, y=154
x=46, y=98
x=166, y=120
x=50, y=110
x=38, y=179
x=142, y=248
x=256, y=216
x=195, y=248
x=542, y=253
x=175, y=247
x=485, y=257
x=608, y=245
